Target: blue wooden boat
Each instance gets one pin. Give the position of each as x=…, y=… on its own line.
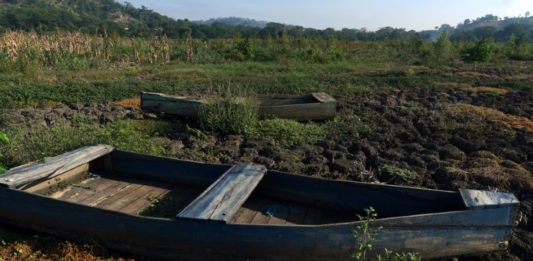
x=180, y=210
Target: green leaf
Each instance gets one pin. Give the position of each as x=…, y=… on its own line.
x=3, y=138
x=2, y=169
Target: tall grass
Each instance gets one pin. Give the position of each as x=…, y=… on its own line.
x=74, y=50
x=228, y=111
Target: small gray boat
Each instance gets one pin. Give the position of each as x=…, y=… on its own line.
x=315, y=106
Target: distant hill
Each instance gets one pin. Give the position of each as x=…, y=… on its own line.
x=109, y=16
x=85, y=15
x=234, y=21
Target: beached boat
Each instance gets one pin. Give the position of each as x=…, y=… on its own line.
x=315, y=106
x=182, y=210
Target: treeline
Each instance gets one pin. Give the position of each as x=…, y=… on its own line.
x=102, y=17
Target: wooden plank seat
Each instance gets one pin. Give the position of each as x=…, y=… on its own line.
x=224, y=197
x=52, y=167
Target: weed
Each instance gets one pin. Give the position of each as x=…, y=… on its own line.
x=365, y=233
x=391, y=256
x=393, y=172
x=285, y=133
x=4, y=140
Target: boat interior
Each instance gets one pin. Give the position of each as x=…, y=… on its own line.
x=242, y=194
x=279, y=101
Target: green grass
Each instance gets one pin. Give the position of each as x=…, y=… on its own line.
x=397, y=172
x=285, y=133
x=35, y=143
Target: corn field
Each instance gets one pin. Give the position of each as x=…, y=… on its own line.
x=54, y=49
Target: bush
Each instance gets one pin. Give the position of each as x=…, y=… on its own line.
x=482, y=51
x=285, y=133
x=228, y=111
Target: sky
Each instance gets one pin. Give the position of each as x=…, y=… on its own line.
x=338, y=14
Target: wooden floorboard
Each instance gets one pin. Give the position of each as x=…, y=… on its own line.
x=119, y=199
x=259, y=210
x=74, y=190
x=135, y=196
x=100, y=195
x=143, y=201
x=246, y=215
x=90, y=189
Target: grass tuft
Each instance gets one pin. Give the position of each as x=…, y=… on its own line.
x=285, y=133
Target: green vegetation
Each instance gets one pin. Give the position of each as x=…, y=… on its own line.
x=4, y=140
x=482, y=51
x=347, y=124
x=228, y=113
x=365, y=233
x=35, y=143
x=106, y=17
x=285, y=133
x=397, y=172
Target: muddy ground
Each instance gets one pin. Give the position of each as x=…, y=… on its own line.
x=452, y=138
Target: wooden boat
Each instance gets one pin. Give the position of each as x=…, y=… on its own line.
x=241, y=212
x=315, y=106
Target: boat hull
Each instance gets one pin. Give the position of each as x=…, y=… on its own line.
x=431, y=223
x=315, y=106
x=433, y=235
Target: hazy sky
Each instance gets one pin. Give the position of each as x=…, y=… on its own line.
x=372, y=14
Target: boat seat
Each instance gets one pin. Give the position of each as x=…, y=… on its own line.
x=225, y=196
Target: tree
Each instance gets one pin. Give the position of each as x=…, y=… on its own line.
x=443, y=46
x=481, y=51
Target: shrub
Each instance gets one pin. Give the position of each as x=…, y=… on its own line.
x=482, y=51
x=228, y=112
x=285, y=133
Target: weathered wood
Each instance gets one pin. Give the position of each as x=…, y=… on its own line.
x=429, y=222
x=315, y=106
x=474, y=199
x=54, y=166
x=171, y=104
x=224, y=197
x=189, y=239
x=50, y=185
x=143, y=201
x=388, y=200
x=95, y=197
